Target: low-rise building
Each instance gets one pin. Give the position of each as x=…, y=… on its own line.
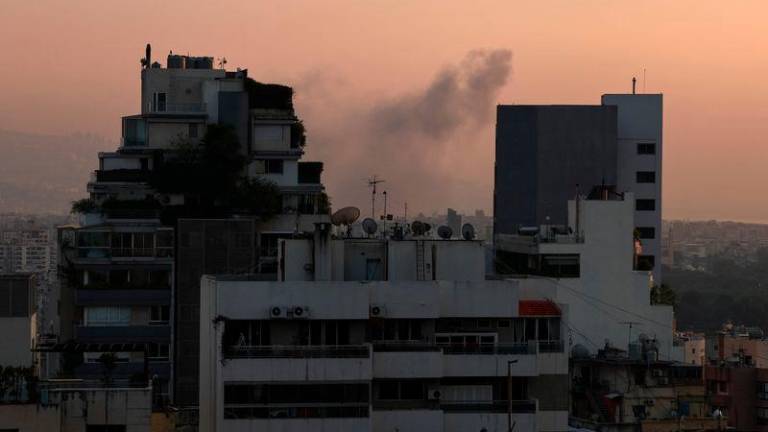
x=595, y=263
x=380, y=335
x=740, y=393
x=621, y=391
x=17, y=320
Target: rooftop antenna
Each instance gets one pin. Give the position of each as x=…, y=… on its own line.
x=634, y=82
x=372, y=182
x=629, y=324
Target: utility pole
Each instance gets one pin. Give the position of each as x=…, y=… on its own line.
x=510, y=425
x=385, y=215
x=629, y=336
x=372, y=182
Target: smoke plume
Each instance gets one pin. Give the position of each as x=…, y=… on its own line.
x=434, y=146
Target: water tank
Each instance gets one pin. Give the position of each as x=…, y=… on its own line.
x=176, y=61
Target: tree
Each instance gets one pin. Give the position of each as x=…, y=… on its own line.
x=663, y=295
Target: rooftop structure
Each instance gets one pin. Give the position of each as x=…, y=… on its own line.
x=547, y=154
x=381, y=334
x=118, y=263
x=593, y=263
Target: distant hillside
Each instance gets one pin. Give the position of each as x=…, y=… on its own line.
x=45, y=173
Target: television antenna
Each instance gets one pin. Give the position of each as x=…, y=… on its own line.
x=372, y=182
x=629, y=325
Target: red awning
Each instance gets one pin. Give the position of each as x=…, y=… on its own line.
x=538, y=308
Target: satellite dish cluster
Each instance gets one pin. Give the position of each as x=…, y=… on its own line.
x=349, y=215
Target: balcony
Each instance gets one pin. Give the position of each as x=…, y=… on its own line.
x=407, y=361
x=490, y=360
x=298, y=363
x=122, y=297
x=122, y=175
x=176, y=108
x=124, y=333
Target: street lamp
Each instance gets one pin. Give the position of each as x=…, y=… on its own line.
x=510, y=426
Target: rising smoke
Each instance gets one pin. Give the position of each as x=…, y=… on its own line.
x=434, y=147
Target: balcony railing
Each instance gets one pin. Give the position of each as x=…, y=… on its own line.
x=122, y=175
x=550, y=346
x=498, y=349
x=276, y=351
x=496, y=406
x=176, y=108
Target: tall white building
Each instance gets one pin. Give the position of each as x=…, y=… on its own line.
x=381, y=335
x=591, y=264
x=639, y=152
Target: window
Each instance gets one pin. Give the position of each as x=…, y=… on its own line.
x=396, y=330
x=645, y=262
x=399, y=390
x=273, y=166
x=107, y=316
x=646, y=232
x=646, y=148
x=158, y=352
x=193, y=130
x=159, y=314
x=645, y=205
x=645, y=176
x=14, y=298
x=160, y=102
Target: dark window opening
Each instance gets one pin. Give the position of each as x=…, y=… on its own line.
x=646, y=148
x=645, y=176
x=645, y=205
x=646, y=232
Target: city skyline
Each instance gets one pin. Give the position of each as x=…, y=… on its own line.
x=559, y=53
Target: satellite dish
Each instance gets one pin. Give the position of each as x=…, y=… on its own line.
x=418, y=228
x=445, y=232
x=468, y=231
x=345, y=216
x=369, y=226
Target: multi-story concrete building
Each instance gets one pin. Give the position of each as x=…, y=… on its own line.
x=370, y=334
x=18, y=324
x=619, y=391
x=740, y=394
x=591, y=262
x=546, y=155
x=123, y=282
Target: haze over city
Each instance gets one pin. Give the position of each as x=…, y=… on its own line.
x=375, y=62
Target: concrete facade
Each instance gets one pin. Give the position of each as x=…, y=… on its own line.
x=603, y=291
x=543, y=153
x=431, y=345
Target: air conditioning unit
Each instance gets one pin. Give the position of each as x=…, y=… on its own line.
x=434, y=393
x=278, y=312
x=298, y=312
x=378, y=311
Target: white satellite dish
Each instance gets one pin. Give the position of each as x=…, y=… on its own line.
x=370, y=226
x=445, y=232
x=345, y=216
x=468, y=231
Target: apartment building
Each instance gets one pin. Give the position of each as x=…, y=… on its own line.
x=739, y=393
x=18, y=324
x=381, y=335
x=618, y=391
x=548, y=154
x=592, y=264
x=123, y=282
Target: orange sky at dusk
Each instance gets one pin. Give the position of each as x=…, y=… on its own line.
x=74, y=66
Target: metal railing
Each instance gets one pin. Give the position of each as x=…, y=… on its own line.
x=177, y=107
x=294, y=351
x=495, y=406
x=551, y=346
x=496, y=349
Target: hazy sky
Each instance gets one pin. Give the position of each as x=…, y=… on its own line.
x=74, y=66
